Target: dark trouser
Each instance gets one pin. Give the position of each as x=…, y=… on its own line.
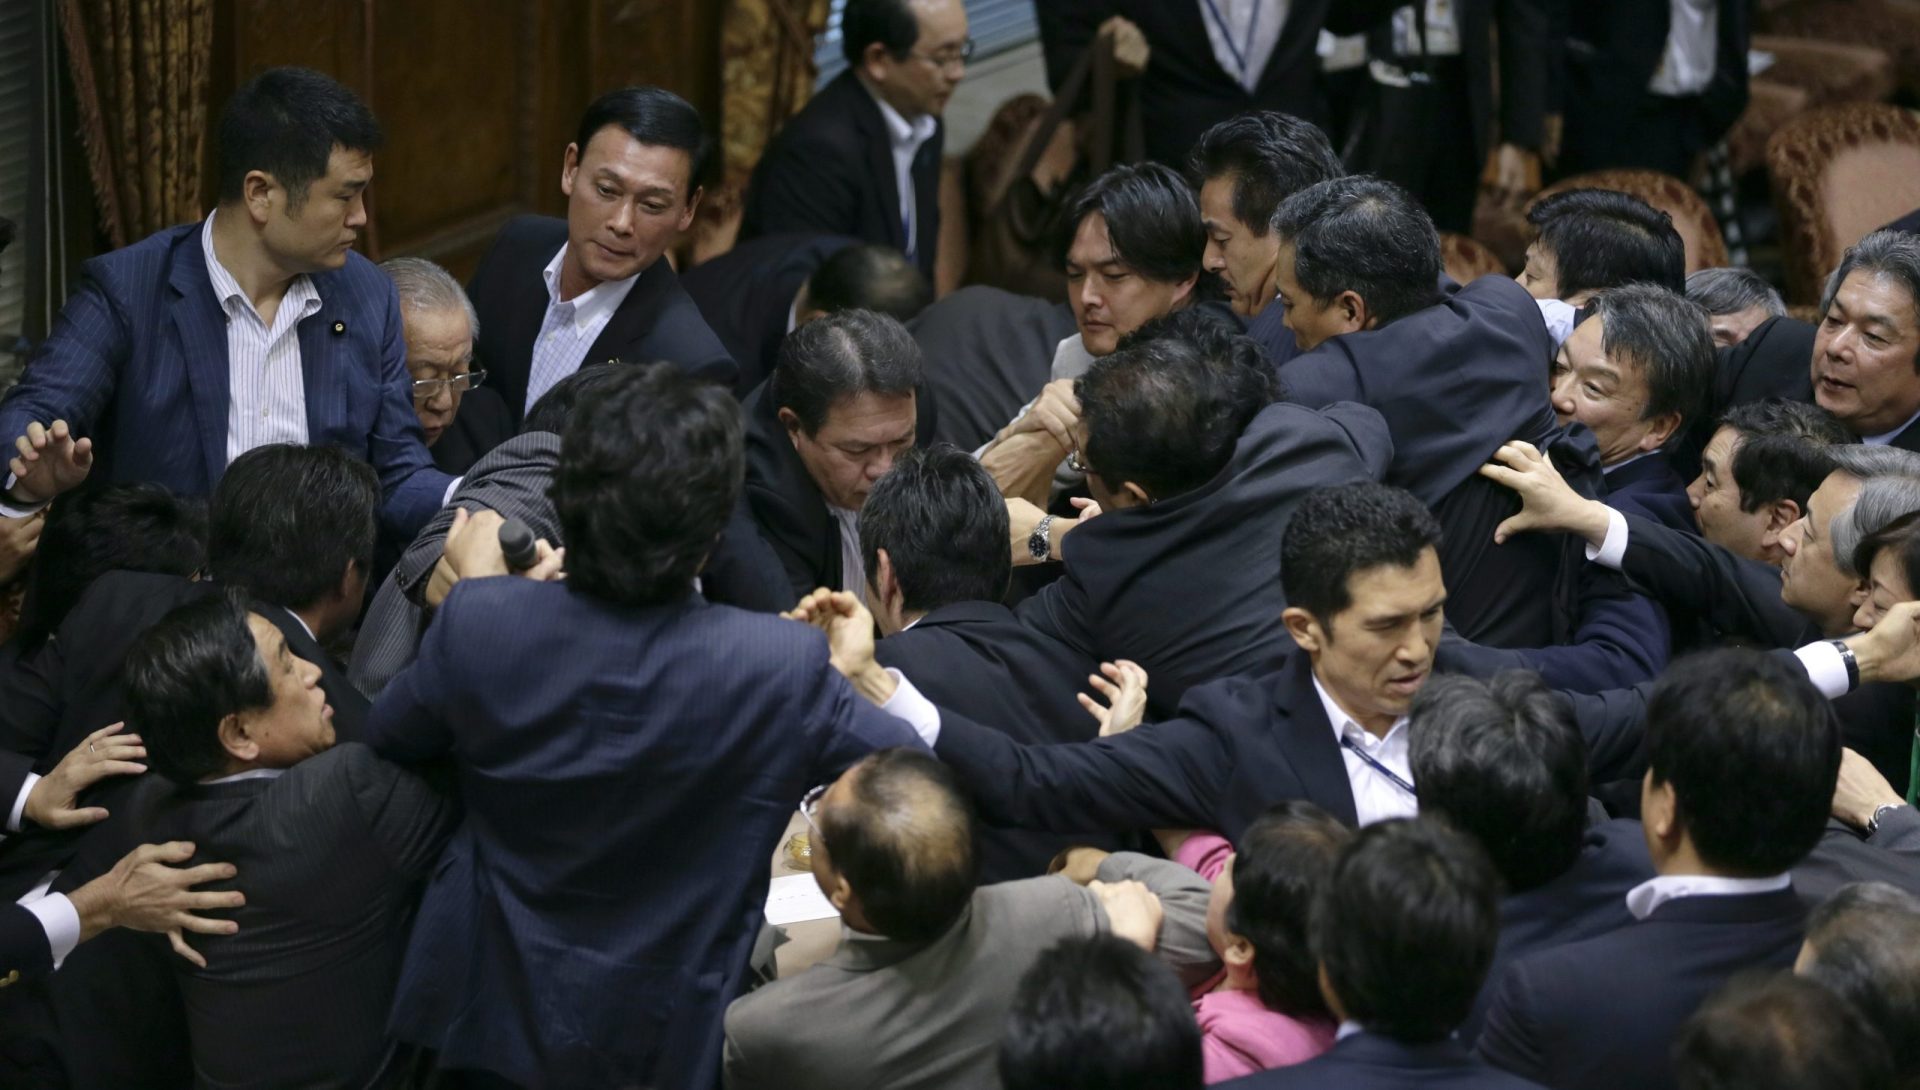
x=1658, y=132
x=1421, y=138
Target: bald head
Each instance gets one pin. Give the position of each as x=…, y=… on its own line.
x=896, y=830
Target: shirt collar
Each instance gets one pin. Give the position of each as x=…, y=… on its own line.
x=1654, y=892
x=901, y=132
x=1347, y=1029
x=1625, y=462
x=301, y=293
x=302, y=622
x=1885, y=438
x=595, y=304
x=1343, y=723
x=249, y=774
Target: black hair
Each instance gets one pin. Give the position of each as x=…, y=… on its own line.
x=1340, y=531
x=1902, y=535
x=649, y=472
x=869, y=277
x=1363, y=235
x=1406, y=926
x=194, y=667
x=1166, y=409
x=943, y=523
x=1279, y=865
x=1782, y=453
x=1888, y=253
x=904, y=840
x=1752, y=751
x=1667, y=339
x=92, y=531
x=286, y=122
x=1152, y=219
x=1503, y=761
x=288, y=520
x=1270, y=156
x=1777, y=1031
x=892, y=23
x=841, y=356
x=1602, y=238
x=1730, y=291
x=555, y=407
x=656, y=117
x=1864, y=944
x=1099, y=1013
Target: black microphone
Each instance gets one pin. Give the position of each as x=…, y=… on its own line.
x=516, y=541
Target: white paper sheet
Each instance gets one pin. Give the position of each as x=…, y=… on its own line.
x=796, y=898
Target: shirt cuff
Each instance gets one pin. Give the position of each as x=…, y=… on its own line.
x=14, y=510
x=907, y=703
x=1825, y=668
x=452, y=487
x=1613, y=548
x=60, y=921
x=18, y=813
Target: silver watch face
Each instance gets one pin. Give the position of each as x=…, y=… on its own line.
x=1037, y=541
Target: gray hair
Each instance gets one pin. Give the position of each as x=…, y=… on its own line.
x=424, y=286
x=1894, y=254
x=1730, y=291
x=1667, y=338
x=1882, y=500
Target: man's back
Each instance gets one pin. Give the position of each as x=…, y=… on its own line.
x=626, y=773
x=1368, y=1061
x=331, y=854
x=988, y=352
x=1604, y=1013
x=747, y=295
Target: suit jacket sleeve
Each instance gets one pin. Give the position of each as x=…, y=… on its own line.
x=1184, y=895
x=1510, y=1039
x=1692, y=575
x=409, y=820
x=413, y=488
x=1622, y=640
x=31, y=701
x=1899, y=831
x=1614, y=726
x=408, y=722
x=1526, y=57
x=23, y=943
x=1059, y=612
x=846, y=725
x=14, y=769
x=743, y=570
x=1160, y=775
x=72, y=375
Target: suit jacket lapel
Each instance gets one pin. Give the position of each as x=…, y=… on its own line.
x=1307, y=740
x=633, y=319
x=201, y=324
x=879, y=145
x=320, y=373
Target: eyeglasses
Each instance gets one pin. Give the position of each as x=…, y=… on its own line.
x=809, y=804
x=427, y=389
x=1077, y=463
x=948, y=57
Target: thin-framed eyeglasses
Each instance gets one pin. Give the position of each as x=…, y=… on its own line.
x=1077, y=463
x=426, y=389
x=948, y=57
x=809, y=804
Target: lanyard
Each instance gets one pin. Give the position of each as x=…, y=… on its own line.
x=1374, y=763
x=1241, y=51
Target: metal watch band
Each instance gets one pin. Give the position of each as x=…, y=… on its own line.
x=1039, y=543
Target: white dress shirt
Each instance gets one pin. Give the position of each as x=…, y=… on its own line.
x=1654, y=892
x=1884, y=438
x=266, y=394
x=905, y=138
x=1375, y=796
x=853, y=563
x=570, y=327
x=1243, y=34
x=1559, y=315
x=1687, y=65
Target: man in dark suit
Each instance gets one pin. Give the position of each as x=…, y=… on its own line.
x=1650, y=84
x=462, y=419
x=1638, y=373
x=1872, y=836
x=933, y=534
x=628, y=756
x=1404, y=932
x=1454, y=374
x=1504, y=763
x=292, y=526
x=986, y=351
x=1244, y=167
x=1742, y=756
x=1759, y=467
x=843, y=404
x=261, y=325
x=756, y=293
x=1589, y=240
x=862, y=158
x=332, y=843
x=596, y=286
x=1737, y=301
x=1198, y=469
x=1868, y=341
x=1198, y=75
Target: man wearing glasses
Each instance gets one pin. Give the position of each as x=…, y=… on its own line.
x=863, y=158
x=461, y=422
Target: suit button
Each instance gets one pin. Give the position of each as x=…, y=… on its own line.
x=10, y=978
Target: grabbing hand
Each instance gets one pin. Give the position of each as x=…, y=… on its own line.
x=1080, y=864
x=19, y=537
x=849, y=629
x=52, y=804
x=1133, y=912
x=1056, y=412
x=1125, y=687
x=143, y=893
x=1860, y=790
x=1131, y=51
x=49, y=461
x=1547, y=501
x=1088, y=508
x=1890, y=650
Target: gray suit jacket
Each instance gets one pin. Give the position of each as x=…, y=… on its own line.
x=1890, y=855
x=511, y=479
x=923, y=1015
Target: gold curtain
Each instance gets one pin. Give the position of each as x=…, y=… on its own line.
x=140, y=72
x=766, y=75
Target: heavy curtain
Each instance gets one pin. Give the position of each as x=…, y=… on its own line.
x=140, y=72
x=766, y=75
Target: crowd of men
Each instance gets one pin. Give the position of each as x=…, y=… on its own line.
x=1280, y=664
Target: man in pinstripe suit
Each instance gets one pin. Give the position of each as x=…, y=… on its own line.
x=258, y=325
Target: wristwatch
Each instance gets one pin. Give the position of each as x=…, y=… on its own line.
x=1038, y=544
x=1873, y=823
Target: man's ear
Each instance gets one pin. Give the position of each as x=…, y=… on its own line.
x=235, y=740
x=1303, y=627
x=1857, y=597
x=1662, y=429
x=1780, y=515
x=841, y=895
x=791, y=421
x=886, y=582
x=1239, y=952
x=1183, y=294
x=693, y=206
x=875, y=61
x=1353, y=311
x=1140, y=497
x=1659, y=812
x=256, y=192
x=569, y=165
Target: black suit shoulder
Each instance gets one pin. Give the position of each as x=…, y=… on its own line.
x=1775, y=360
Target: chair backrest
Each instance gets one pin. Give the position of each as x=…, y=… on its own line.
x=1468, y=259
x=1839, y=173
x=1699, y=231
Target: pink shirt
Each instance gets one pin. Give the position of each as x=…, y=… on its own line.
x=1205, y=853
x=1240, y=1036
